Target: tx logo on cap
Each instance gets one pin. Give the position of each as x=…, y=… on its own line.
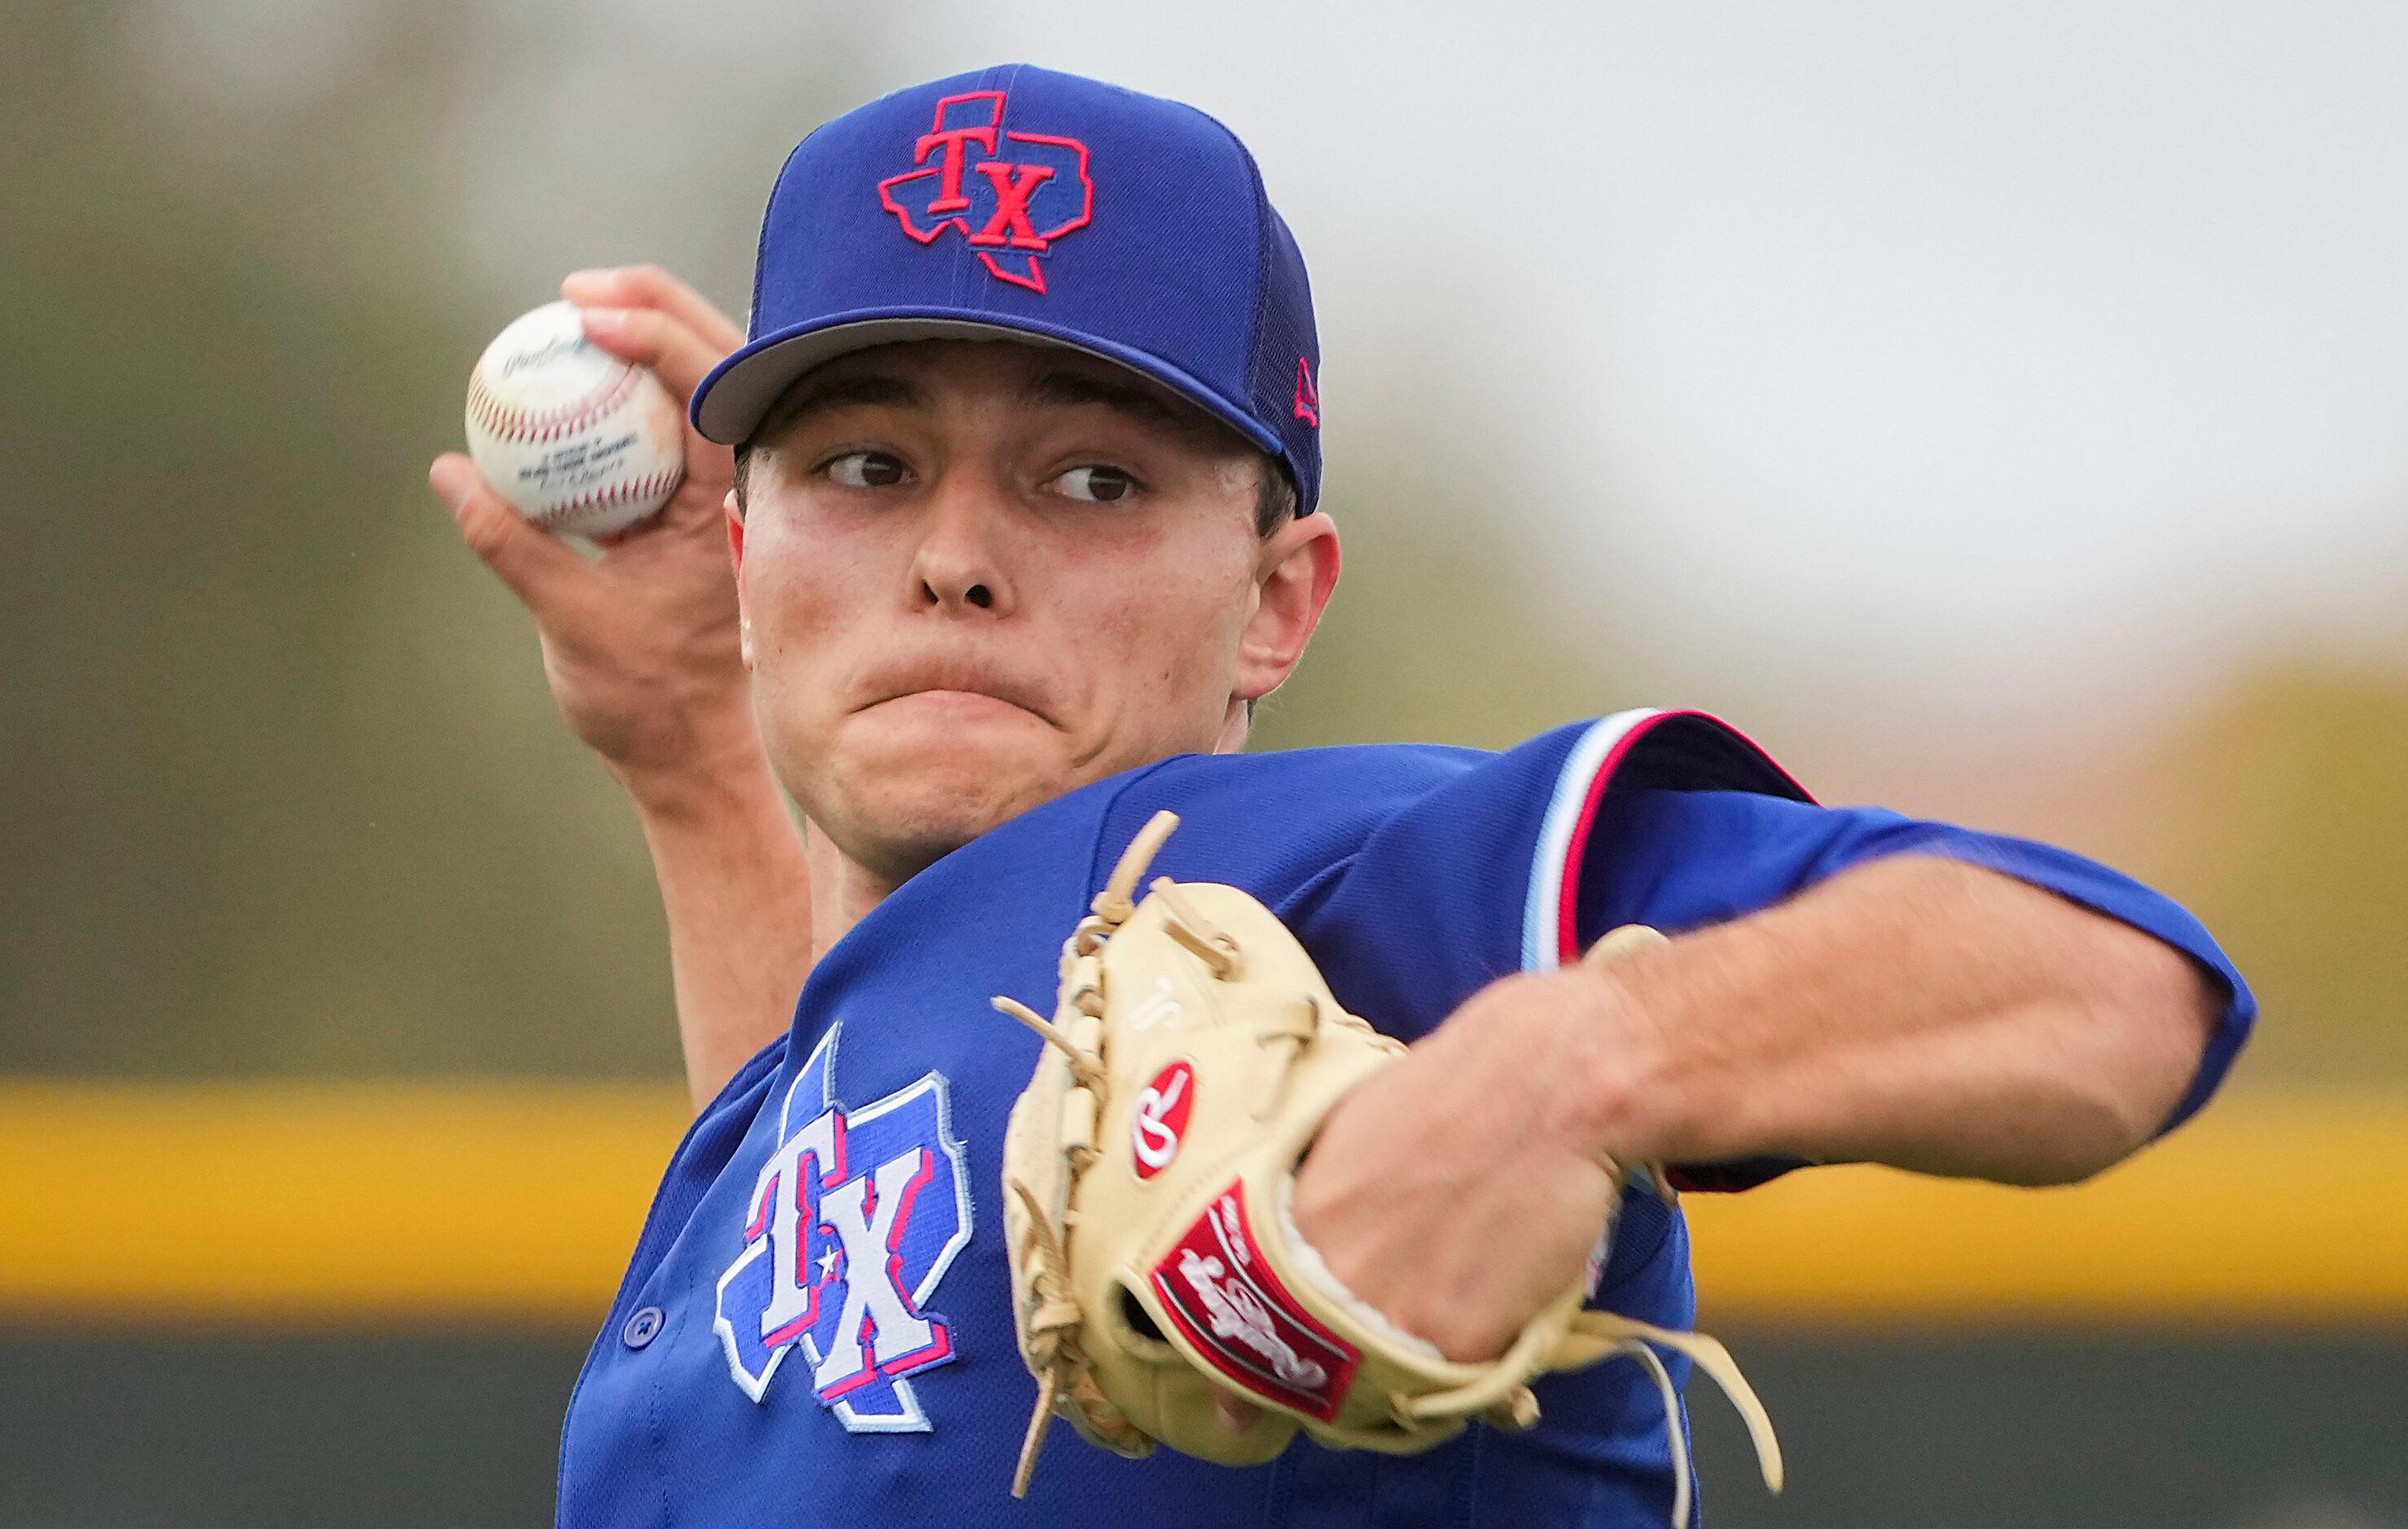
x=1011, y=194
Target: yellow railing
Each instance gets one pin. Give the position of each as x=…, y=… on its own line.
x=408, y=1206
x=299, y=1207
x=2279, y=1211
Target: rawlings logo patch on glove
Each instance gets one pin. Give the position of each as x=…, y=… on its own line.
x=1193, y=1055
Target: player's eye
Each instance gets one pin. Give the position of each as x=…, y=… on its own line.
x=1096, y=484
x=864, y=470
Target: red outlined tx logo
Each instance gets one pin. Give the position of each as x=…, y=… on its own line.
x=1011, y=194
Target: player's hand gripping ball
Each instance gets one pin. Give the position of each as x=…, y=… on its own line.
x=575, y=438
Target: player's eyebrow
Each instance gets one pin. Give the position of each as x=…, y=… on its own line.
x=854, y=390
x=1133, y=401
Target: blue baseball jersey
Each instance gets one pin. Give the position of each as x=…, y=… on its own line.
x=816, y=1326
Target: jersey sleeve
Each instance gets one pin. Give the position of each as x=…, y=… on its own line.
x=1477, y=874
x=1686, y=859
x=1666, y=820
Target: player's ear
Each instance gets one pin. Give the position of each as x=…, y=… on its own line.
x=1293, y=579
x=735, y=552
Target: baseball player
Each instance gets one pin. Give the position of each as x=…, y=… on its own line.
x=1023, y=508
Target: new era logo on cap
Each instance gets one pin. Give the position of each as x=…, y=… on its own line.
x=1009, y=193
x=1016, y=203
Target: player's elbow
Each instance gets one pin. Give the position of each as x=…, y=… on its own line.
x=2134, y=1036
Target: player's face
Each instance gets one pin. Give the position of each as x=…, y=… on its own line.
x=978, y=574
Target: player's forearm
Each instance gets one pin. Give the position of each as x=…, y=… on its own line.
x=1917, y=1012
x=737, y=892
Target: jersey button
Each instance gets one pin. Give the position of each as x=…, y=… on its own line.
x=641, y=1328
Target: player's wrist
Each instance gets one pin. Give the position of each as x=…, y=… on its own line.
x=721, y=777
x=1622, y=1102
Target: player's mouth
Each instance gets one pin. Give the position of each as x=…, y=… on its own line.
x=957, y=706
x=957, y=689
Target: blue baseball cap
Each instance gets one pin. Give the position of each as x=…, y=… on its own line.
x=1016, y=203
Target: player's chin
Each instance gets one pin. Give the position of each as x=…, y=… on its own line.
x=924, y=785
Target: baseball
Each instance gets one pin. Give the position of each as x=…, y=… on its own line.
x=575, y=438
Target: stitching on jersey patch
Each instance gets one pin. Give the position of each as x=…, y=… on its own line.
x=851, y=1222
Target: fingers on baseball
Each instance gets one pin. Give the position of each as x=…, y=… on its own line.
x=690, y=510
x=648, y=338
x=648, y=286
x=530, y=561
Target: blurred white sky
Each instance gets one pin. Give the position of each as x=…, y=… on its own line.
x=1982, y=361
x=1976, y=350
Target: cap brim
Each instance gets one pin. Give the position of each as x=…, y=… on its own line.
x=732, y=401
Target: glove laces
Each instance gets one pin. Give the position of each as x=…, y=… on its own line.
x=1075, y=1032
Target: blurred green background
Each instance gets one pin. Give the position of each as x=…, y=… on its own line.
x=282, y=793
x=285, y=792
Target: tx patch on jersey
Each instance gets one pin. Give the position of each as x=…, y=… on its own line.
x=851, y=1223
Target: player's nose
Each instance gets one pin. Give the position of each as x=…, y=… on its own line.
x=959, y=566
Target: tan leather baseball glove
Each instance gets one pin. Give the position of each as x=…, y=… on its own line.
x=1193, y=1053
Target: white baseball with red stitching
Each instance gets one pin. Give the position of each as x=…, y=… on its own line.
x=575, y=438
